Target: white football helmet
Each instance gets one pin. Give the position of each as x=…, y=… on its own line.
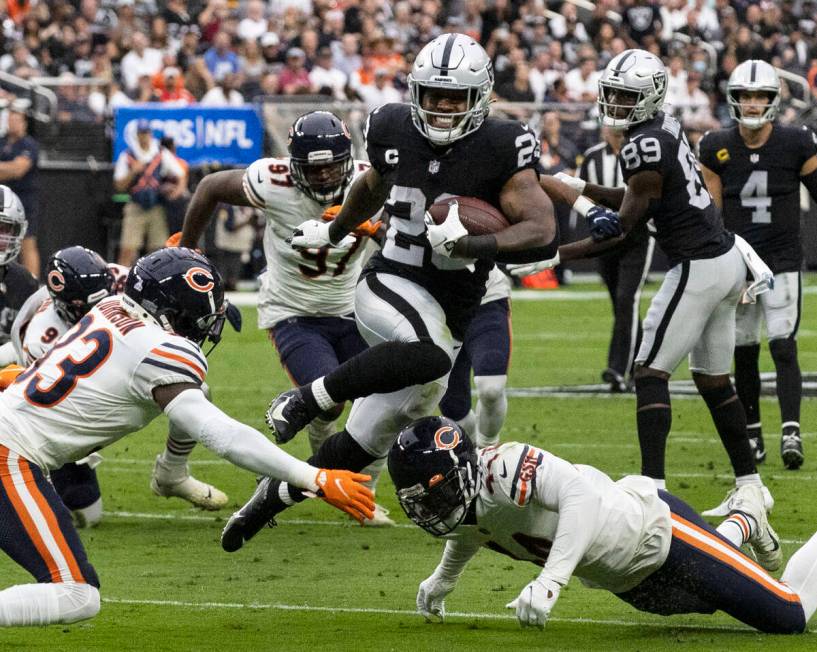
x=631, y=89
x=13, y=225
x=754, y=75
x=455, y=62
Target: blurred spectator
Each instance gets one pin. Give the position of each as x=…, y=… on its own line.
x=542, y=75
x=20, y=62
x=583, y=82
x=518, y=89
x=251, y=63
x=212, y=18
x=175, y=206
x=140, y=61
x=105, y=99
x=641, y=21
x=139, y=171
x=235, y=230
x=254, y=25
x=19, y=154
x=347, y=57
x=294, y=78
x=382, y=91
x=169, y=85
x=220, y=58
x=559, y=154
x=695, y=108
x=72, y=100
x=224, y=93
x=177, y=16
x=271, y=48
x=327, y=79
x=676, y=84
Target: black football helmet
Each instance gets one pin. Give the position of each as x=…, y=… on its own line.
x=320, y=151
x=435, y=471
x=77, y=279
x=180, y=289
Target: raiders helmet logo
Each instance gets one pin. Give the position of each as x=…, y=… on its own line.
x=446, y=438
x=200, y=279
x=56, y=281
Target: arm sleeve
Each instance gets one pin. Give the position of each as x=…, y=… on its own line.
x=457, y=554
x=236, y=442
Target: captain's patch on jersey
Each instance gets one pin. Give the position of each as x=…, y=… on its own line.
x=722, y=155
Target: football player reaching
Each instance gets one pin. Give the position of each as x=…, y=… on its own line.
x=753, y=171
x=131, y=357
x=306, y=299
x=642, y=544
x=693, y=313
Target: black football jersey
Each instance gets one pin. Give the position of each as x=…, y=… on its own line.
x=16, y=285
x=687, y=225
x=420, y=175
x=761, y=189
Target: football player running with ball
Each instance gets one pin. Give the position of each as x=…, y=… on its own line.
x=128, y=359
x=644, y=545
x=753, y=171
x=693, y=312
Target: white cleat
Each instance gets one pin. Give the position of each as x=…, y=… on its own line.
x=723, y=509
x=380, y=518
x=175, y=481
x=764, y=542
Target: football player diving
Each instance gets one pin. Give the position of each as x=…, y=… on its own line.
x=131, y=357
x=642, y=544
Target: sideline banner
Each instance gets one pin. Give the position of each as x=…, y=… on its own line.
x=229, y=136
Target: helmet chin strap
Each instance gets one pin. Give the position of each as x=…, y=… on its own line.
x=138, y=312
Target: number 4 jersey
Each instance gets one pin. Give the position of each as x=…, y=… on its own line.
x=761, y=189
x=686, y=222
x=95, y=386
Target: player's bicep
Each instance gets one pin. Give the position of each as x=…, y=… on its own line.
x=714, y=185
x=809, y=166
x=226, y=186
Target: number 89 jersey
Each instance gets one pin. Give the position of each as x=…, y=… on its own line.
x=761, y=189
x=316, y=282
x=686, y=222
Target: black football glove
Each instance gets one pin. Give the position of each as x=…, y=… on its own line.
x=603, y=223
x=233, y=315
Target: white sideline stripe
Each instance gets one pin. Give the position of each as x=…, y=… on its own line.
x=172, y=516
x=407, y=612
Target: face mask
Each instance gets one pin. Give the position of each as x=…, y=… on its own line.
x=699, y=66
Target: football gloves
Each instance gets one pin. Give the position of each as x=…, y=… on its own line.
x=569, y=180
x=431, y=597
x=233, y=315
x=343, y=490
x=367, y=229
x=443, y=237
x=603, y=223
x=534, y=604
x=314, y=234
x=9, y=374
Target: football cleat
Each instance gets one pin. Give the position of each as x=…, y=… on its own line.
x=380, y=518
x=174, y=480
x=618, y=385
x=287, y=415
x=723, y=508
x=755, y=435
x=791, y=447
x=763, y=540
x=248, y=521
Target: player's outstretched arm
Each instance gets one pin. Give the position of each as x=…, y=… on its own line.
x=714, y=185
x=433, y=590
x=366, y=196
x=219, y=187
x=189, y=410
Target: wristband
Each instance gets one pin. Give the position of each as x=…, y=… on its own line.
x=582, y=205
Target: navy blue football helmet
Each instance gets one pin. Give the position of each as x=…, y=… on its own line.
x=77, y=279
x=320, y=151
x=435, y=471
x=180, y=289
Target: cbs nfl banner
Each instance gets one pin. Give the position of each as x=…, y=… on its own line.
x=229, y=136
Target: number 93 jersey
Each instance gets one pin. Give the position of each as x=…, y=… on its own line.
x=686, y=222
x=316, y=282
x=478, y=165
x=761, y=189
x=94, y=386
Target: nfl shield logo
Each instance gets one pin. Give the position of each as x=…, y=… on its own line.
x=754, y=158
x=433, y=167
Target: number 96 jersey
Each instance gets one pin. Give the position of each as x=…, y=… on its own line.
x=316, y=282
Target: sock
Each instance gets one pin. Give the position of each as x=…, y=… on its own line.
x=801, y=575
x=730, y=422
x=492, y=406
x=374, y=469
x=653, y=419
x=789, y=378
x=47, y=603
x=177, y=447
x=737, y=528
x=751, y=478
x=747, y=380
x=469, y=424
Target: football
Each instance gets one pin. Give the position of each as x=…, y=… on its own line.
x=477, y=216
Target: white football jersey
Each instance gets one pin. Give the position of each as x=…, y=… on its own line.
x=572, y=519
x=313, y=283
x=498, y=286
x=95, y=386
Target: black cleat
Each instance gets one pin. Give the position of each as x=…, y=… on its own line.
x=791, y=448
x=618, y=385
x=250, y=519
x=287, y=415
x=755, y=435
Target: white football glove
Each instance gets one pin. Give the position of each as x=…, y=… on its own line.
x=526, y=269
x=431, y=597
x=443, y=237
x=534, y=604
x=314, y=234
x=569, y=180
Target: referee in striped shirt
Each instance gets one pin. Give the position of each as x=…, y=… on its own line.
x=624, y=270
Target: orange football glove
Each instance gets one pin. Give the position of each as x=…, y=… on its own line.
x=331, y=213
x=9, y=374
x=368, y=229
x=343, y=489
x=174, y=240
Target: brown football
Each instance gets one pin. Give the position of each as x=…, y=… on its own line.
x=477, y=216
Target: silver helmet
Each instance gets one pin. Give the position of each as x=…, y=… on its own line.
x=453, y=62
x=754, y=75
x=631, y=89
x=13, y=225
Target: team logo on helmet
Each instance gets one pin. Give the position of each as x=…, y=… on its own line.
x=56, y=281
x=200, y=279
x=446, y=438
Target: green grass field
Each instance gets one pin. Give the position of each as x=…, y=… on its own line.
x=320, y=582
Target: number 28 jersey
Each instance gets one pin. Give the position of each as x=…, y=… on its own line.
x=686, y=223
x=761, y=189
x=95, y=386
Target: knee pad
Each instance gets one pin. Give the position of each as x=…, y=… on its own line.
x=717, y=396
x=77, y=601
x=650, y=390
x=784, y=351
x=491, y=389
